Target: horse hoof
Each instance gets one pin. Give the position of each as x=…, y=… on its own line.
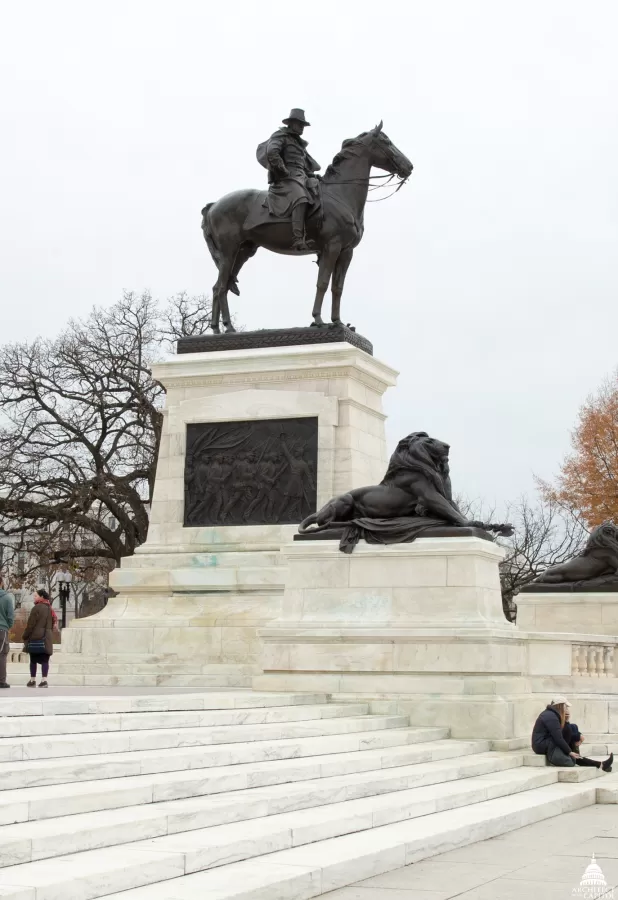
x=229, y=329
x=319, y=324
x=233, y=287
x=216, y=330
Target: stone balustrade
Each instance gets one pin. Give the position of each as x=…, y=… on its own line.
x=17, y=655
x=595, y=660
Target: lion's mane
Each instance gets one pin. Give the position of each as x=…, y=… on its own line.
x=605, y=539
x=418, y=452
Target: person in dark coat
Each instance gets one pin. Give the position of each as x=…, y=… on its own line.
x=40, y=629
x=553, y=739
x=291, y=174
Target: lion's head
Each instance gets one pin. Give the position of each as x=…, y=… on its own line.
x=427, y=449
x=423, y=453
x=603, y=540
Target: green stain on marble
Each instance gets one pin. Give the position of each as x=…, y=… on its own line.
x=205, y=562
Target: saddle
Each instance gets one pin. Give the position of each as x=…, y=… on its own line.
x=259, y=214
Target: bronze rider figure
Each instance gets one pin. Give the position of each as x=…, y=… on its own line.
x=291, y=175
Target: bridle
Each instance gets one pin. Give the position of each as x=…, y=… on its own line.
x=375, y=187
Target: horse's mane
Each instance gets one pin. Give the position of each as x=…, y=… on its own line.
x=347, y=150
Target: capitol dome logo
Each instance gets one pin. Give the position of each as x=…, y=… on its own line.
x=593, y=885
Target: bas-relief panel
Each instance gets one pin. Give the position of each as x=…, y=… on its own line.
x=259, y=472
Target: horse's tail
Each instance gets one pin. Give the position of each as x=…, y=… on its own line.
x=210, y=241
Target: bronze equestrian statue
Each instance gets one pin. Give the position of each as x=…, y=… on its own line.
x=300, y=213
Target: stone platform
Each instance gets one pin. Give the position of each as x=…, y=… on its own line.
x=546, y=607
x=193, y=597
x=419, y=629
x=273, y=338
x=419, y=625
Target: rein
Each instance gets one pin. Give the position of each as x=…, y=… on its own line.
x=372, y=187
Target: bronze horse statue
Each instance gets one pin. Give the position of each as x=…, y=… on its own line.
x=334, y=229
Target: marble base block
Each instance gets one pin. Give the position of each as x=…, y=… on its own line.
x=419, y=625
x=586, y=611
x=197, y=595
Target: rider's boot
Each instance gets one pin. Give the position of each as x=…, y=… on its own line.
x=298, y=228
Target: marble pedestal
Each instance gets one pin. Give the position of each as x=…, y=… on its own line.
x=193, y=597
x=572, y=612
x=415, y=628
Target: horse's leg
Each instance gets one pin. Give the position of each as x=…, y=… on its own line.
x=246, y=252
x=328, y=258
x=214, y=314
x=341, y=267
x=219, y=293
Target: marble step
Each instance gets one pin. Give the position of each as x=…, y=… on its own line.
x=599, y=744
x=71, y=745
x=61, y=665
x=180, y=679
x=31, y=726
x=138, y=667
x=356, y=831
x=607, y=791
x=49, y=705
x=31, y=840
x=141, y=762
x=432, y=759
x=310, y=871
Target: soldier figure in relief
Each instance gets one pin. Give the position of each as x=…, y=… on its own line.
x=291, y=175
x=299, y=477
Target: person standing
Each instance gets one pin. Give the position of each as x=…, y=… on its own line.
x=7, y=618
x=39, y=636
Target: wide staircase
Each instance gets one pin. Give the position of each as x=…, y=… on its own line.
x=127, y=670
x=245, y=795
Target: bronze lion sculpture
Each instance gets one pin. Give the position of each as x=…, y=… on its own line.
x=598, y=559
x=415, y=494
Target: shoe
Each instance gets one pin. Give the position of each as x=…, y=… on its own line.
x=609, y=762
x=300, y=245
x=5, y=685
x=31, y=683
x=43, y=684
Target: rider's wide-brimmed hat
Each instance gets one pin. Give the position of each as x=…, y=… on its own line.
x=298, y=115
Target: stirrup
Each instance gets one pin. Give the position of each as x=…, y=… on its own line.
x=300, y=243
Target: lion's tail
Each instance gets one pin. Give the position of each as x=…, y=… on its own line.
x=310, y=520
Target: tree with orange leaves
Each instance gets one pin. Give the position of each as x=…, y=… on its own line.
x=588, y=481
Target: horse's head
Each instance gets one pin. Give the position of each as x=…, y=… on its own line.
x=385, y=155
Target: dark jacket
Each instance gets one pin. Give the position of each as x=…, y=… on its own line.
x=7, y=610
x=571, y=734
x=286, y=150
x=290, y=172
x=40, y=626
x=547, y=732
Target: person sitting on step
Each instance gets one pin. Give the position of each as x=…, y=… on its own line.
x=549, y=740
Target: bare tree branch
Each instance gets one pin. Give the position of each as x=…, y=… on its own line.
x=80, y=424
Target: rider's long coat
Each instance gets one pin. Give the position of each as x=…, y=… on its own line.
x=284, y=149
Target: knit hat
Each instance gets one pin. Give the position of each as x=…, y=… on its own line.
x=559, y=701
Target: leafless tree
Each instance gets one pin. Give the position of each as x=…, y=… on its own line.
x=546, y=534
x=80, y=423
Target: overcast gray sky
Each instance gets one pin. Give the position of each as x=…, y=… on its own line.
x=489, y=280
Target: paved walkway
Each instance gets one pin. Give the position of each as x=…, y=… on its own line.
x=545, y=861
